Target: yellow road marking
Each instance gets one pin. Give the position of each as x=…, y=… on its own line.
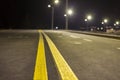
x=65, y=71
x=40, y=72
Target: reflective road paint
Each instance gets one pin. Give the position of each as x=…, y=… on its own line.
x=40, y=67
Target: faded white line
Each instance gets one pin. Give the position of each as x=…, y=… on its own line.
x=88, y=40
x=72, y=36
x=77, y=43
x=118, y=48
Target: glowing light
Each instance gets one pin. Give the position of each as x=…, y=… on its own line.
x=86, y=20
x=70, y=12
x=117, y=22
x=105, y=20
x=56, y=1
x=49, y=5
x=102, y=22
x=65, y=15
x=89, y=17
x=114, y=24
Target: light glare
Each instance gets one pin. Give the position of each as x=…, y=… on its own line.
x=105, y=20
x=65, y=15
x=70, y=12
x=117, y=22
x=49, y=5
x=89, y=17
x=85, y=19
x=56, y=1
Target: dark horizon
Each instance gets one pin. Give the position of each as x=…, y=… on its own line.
x=36, y=14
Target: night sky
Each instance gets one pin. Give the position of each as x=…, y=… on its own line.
x=36, y=14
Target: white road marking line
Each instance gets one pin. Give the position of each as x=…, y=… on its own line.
x=72, y=36
x=118, y=48
x=77, y=43
x=88, y=40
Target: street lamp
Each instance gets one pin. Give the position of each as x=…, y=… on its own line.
x=66, y=20
x=88, y=18
x=70, y=12
x=116, y=25
x=52, y=6
x=105, y=20
x=102, y=22
x=49, y=6
x=56, y=1
x=117, y=22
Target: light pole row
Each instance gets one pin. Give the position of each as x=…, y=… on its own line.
x=104, y=22
x=67, y=13
x=52, y=15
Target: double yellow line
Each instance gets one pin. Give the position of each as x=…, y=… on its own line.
x=63, y=68
x=40, y=72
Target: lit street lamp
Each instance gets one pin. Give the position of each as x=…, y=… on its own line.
x=88, y=18
x=49, y=6
x=70, y=12
x=117, y=25
x=117, y=22
x=56, y=1
x=104, y=22
x=52, y=6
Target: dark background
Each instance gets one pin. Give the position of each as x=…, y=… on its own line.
x=35, y=13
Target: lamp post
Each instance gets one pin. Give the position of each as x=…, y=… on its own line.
x=117, y=25
x=89, y=18
x=69, y=13
x=66, y=15
x=105, y=21
x=52, y=16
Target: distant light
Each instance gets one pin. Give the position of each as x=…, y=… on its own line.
x=114, y=24
x=105, y=20
x=101, y=28
x=98, y=28
x=49, y=5
x=102, y=22
x=86, y=20
x=65, y=15
x=70, y=12
x=56, y=27
x=56, y=1
x=89, y=17
x=117, y=22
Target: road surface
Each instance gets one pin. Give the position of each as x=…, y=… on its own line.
x=88, y=57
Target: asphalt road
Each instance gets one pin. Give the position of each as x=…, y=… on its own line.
x=90, y=57
x=18, y=53
x=18, y=50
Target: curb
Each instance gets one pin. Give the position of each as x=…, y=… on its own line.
x=98, y=34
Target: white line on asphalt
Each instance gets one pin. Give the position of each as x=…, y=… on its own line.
x=77, y=43
x=72, y=36
x=118, y=48
x=88, y=40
